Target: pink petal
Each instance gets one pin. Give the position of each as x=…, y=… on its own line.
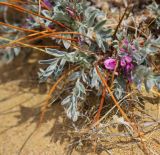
x=126, y=42
x=123, y=63
x=110, y=63
x=128, y=59
x=122, y=50
x=70, y=11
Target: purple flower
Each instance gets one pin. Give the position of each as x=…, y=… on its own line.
x=125, y=42
x=110, y=63
x=122, y=50
x=70, y=11
x=133, y=47
x=128, y=59
x=129, y=67
x=123, y=62
x=47, y=3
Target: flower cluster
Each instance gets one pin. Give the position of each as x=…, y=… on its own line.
x=125, y=58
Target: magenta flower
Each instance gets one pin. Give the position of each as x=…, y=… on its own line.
x=70, y=11
x=125, y=42
x=110, y=64
x=123, y=62
x=133, y=48
x=128, y=59
x=129, y=67
x=126, y=63
x=47, y=3
x=122, y=50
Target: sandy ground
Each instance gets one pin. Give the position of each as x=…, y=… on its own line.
x=20, y=99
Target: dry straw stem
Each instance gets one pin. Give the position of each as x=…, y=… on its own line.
x=112, y=96
x=21, y=1
x=39, y=7
x=155, y=92
x=125, y=12
x=45, y=106
x=37, y=46
x=113, y=74
x=41, y=3
x=17, y=28
x=20, y=39
x=97, y=116
x=45, y=34
x=103, y=117
x=54, y=34
x=30, y=12
x=44, y=5
x=23, y=44
x=140, y=134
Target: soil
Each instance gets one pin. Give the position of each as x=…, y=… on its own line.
x=20, y=98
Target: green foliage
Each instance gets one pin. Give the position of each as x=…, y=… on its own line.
x=145, y=74
x=91, y=45
x=155, y=8
x=71, y=101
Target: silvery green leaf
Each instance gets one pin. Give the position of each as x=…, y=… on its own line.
x=99, y=25
x=71, y=57
x=55, y=52
x=89, y=11
x=149, y=83
x=90, y=32
x=151, y=50
x=105, y=33
x=95, y=80
x=120, y=36
x=46, y=13
x=136, y=44
x=70, y=104
x=63, y=18
x=80, y=88
x=16, y=51
x=120, y=87
x=82, y=30
x=84, y=77
x=74, y=76
x=129, y=48
x=91, y=19
x=59, y=68
x=9, y=54
x=49, y=61
x=66, y=43
x=157, y=82
x=41, y=70
x=100, y=42
x=72, y=112
x=62, y=63
x=50, y=69
x=140, y=56
x=67, y=100
x=89, y=36
x=155, y=41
